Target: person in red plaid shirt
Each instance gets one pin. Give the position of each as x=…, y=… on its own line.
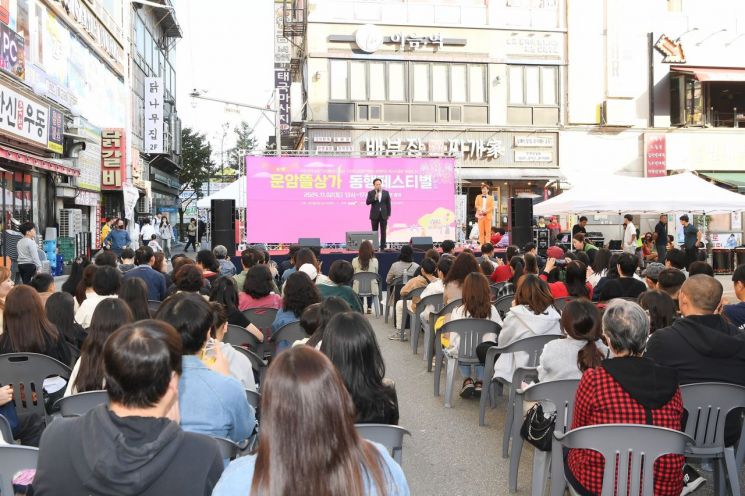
x=627, y=389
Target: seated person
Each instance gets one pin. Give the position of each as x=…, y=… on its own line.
x=299, y=293
x=341, y=273
x=677, y=259
x=670, y=281
x=700, y=267
x=575, y=279
x=627, y=389
x=503, y=271
x=211, y=402
x=652, y=273
x=625, y=285
x=227, y=268
x=43, y=283
x=736, y=311
x=138, y=447
x=258, y=290
x=427, y=275
x=106, y=284
x=487, y=253
x=128, y=260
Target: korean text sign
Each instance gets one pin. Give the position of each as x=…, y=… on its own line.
x=293, y=197
x=23, y=117
x=113, y=159
x=12, y=52
x=154, y=93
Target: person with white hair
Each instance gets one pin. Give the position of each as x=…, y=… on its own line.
x=227, y=268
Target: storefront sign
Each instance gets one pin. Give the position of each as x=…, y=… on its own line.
x=370, y=39
x=520, y=45
x=88, y=198
x=154, y=115
x=281, y=44
x=671, y=49
x=22, y=117
x=56, y=128
x=86, y=18
x=5, y=11
x=113, y=160
x=533, y=156
x=655, y=155
x=282, y=87
x=535, y=141
x=12, y=52
x=414, y=147
x=137, y=179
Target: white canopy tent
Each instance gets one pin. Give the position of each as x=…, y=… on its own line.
x=234, y=191
x=684, y=192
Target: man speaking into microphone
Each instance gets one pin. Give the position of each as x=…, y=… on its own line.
x=380, y=209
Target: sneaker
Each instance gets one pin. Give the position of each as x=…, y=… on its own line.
x=477, y=387
x=691, y=480
x=396, y=336
x=467, y=390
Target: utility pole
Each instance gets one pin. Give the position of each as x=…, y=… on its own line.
x=277, y=123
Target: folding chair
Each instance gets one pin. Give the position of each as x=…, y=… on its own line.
x=708, y=404
x=429, y=335
x=364, y=282
x=390, y=436
x=393, y=293
x=561, y=395
x=258, y=364
x=289, y=332
x=406, y=314
x=79, y=404
x=263, y=318
x=238, y=336
x=436, y=301
x=471, y=332
x=228, y=449
x=560, y=303
x=629, y=451
x=504, y=304
x=27, y=371
x=13, y=459
x=6, y=433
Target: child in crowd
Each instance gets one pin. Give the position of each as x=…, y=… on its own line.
x=154, y=244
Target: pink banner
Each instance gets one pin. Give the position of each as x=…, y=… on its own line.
x=324, y=197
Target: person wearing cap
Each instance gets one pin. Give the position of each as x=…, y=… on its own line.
x=555, y=252
x=736, y=311
x=314, y=274
x=652, y=273
x=484, y=213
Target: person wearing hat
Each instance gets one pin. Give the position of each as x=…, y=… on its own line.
x=652, y=273
x=484, y=212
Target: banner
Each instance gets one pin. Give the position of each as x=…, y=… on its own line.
x=113, y=159
x=294, y=197
x=56, y=128
x=12, y=52
x=154, y=115
x=726, y=240
x=22, y=117
x=282, y=87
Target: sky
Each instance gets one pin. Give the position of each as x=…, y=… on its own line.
x=227, y=51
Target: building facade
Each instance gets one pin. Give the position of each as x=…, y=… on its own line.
x=479, y=81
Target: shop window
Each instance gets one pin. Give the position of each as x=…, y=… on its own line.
x=533, y=95
x=341, y=112
x=715, y=103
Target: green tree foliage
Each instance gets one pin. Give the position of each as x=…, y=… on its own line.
x=197, y=167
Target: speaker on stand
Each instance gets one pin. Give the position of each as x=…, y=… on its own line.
x=521, y=221
x=222, y=218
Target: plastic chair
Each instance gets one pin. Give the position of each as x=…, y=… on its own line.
x=708, y=404
x=471, y=332
x=27, y=371
x=263, y=318
x=238, y=336
x=504, y=304
x=254, y=399
x=634, y=448
x=79, y=404
x=413, y=317
x=392, y=293
x=289, y=332
x=153, y=306
x=533, y=346
x=561, y=303
x=429, y=336
x=561, y=394
x=228, y=449
x=13, y=459
x=258, y=364
x=390, y=436
x=6, y=433
x=364, y=289
x=501, y=289
x=436, y=301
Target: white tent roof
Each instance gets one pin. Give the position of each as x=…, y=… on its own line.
x=234, y=191
x=642, y=195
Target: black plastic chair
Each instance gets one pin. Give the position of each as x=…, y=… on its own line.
x=79, y=404
x=258, y=364
x=153, y=306
x=13, y=459
x=263, y=318
x=238, y=336
x=504, y=304
x=26, y=372
x=289, y=332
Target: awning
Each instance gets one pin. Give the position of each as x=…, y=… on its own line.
x=164, y=163
x=36, y=161
x=733, y=179
x=505, y=173
x=711, y=74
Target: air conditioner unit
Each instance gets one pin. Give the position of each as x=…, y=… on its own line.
x=70, y=222
x=65, y=180
x=618, y=113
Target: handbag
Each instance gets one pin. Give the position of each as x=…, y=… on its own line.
x=537, y=429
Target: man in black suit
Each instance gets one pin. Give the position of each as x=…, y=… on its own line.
x=380, y=209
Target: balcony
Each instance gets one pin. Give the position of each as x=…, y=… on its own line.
x=294, y=19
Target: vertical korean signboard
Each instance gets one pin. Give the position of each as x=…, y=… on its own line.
x=154, y=115
x=113, y=159
x=655, y=155
x=282, y=87
x=56, y=128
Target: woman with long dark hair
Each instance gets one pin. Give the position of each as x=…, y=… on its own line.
x=575, y=280
x=581, y=349
x=299, y=292
x=365, y=261
x=329, y=308
x=225, y=292
x=464, y=264
x=349, y=342
x=302, y=388
x=60, y=310
x=85, y=285
x=88, y=373
x=599, y=267
x=611, y=272
x=26, y=328
x=134, y=293
x=207, y=261
x=661, y=309
x=76, y=274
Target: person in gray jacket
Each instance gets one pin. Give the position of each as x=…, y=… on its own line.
x=28, y=253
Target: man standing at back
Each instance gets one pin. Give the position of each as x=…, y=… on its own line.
x=691, y=239
x=660, y=238
x=155, y=281
x=134, y=445
x=580, y=226
x=484, y=213
x=380, y=209
x=629, y=234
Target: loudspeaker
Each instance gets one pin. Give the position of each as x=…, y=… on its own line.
x=521, y=221
x=421, y=243
x=312, y=243
x=222, y=217
x=541, y=238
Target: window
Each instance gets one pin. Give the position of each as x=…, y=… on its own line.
x=476, y=84
x=548, y=86
x=532, y=85
x=358, y=81
x=440, y=83
x=516, y=85
x=377, y=81
x=533, y=95
x=139, y=35
x=338, y=80
x=421, y=83
x=396, y=82
x=457, y=83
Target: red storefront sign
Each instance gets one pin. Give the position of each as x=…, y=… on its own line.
x=113, y=159
x=655, y=155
